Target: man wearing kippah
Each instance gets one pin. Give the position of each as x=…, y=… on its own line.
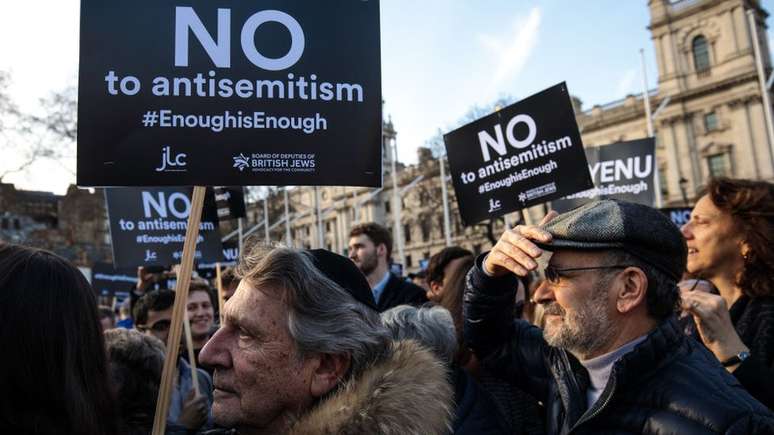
x=611, y=358
x=302, y=350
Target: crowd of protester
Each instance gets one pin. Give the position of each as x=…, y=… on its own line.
x=605, y=319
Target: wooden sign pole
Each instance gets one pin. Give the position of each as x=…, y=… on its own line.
x=178, y=311
x=191, y=356
x=220, y=291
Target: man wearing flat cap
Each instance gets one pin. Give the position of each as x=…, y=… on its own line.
x=302, y=350
x=611, y=358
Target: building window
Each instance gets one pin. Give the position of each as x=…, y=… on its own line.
x=718, y=165
x=425, y=227
x=387, y=206
x=662, y=181
x=710, y=122
x=701, y=61
x=16, y=224
x=407, y=233
x=4, y=224
x=328, y=226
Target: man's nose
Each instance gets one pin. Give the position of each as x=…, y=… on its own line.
x=543, y=293
x=686, y=230
x=214, y=352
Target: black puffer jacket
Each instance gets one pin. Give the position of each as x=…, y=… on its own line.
x=476, y=412
x=667, y=385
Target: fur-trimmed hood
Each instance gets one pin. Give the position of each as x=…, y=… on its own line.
x=408, y=393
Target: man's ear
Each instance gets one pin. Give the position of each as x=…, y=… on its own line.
x=632, y=291
x=328, y=372
x=381, y=250
x=435, y=288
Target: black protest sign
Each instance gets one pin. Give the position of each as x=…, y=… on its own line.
x=623, y=170
x=525, y=154
x=148, y=224
x=679, y=215
x=107, y=281
x=230, y=201
x=230, y=258
x=214, y=92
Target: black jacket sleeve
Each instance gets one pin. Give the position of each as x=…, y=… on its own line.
x=758, y=379
x=511, y=349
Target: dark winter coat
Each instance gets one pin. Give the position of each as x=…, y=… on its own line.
x=476, y=412
x=668, y=384
x=753, y=319
x=398, y=291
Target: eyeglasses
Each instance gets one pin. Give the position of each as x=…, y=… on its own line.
x=160, y=326
x=553, y=274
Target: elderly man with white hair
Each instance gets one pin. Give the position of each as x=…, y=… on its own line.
x=302, y=350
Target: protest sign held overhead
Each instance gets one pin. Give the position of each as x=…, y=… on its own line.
x=230, y=259
x=623, y=170
x=525, y=154
x=229, y=93
x=230, y=201
x=679, y=215
x=148, y=226
x=109, y=282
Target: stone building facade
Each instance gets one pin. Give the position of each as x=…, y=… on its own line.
x=712, y=123
x=73, y=225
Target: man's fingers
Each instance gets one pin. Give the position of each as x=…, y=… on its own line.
x=547, y=218
x=516, y=252
x=503, y=260
x=518, y=238
x=533, y=232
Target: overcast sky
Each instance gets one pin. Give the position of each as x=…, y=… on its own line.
x=439, y=58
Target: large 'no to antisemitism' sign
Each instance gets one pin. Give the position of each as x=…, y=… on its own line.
x=527, y=153
x=276, y=92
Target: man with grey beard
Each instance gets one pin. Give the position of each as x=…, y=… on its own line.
x=611, y=357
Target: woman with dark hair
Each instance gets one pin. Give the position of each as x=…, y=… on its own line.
x=54, y=377
x=520, y=411
x=730, y=241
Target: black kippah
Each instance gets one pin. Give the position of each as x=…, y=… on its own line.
x=343, y=272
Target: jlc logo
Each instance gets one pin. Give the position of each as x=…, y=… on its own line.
x=494, y=204
x=168, y=163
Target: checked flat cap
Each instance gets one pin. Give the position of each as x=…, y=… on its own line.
x=642, y=231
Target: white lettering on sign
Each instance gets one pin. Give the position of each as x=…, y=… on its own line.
x=161, y=204
x=680, y=217
x=498, y=143
x=220, y=51
x=616, y=170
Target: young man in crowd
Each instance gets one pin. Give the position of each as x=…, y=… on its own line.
x=303, y=351
x=370, y=248
x=201, y=313
x=611, y=357
x=152, y=316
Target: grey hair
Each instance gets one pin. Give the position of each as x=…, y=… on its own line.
x=322, y=316
x=431, y=326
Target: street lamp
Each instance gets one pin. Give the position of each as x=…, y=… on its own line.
x=683, y=182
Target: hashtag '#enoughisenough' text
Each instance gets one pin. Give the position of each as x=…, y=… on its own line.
x=150, y=118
